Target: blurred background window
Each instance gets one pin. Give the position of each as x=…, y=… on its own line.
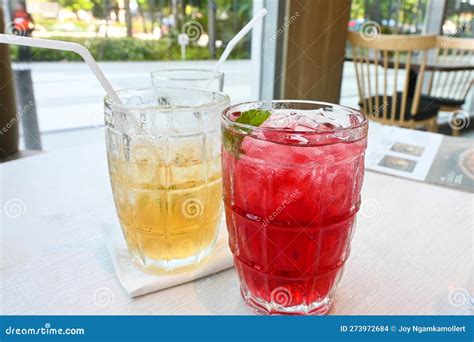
x=130, y=39
x=458, y=18
x=395, y=17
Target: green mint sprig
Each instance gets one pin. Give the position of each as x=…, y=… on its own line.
x=253, y=117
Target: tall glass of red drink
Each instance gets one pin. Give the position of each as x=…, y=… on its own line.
x=292, y=173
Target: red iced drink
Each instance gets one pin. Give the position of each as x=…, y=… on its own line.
x=291, y=192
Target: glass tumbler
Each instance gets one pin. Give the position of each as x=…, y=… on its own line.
x=163, y=150
x=190, y=78
x=291, y=193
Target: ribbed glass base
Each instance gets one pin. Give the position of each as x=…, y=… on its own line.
x=173, y=265
x=262, y=307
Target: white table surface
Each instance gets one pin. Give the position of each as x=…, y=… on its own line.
x=411, y=253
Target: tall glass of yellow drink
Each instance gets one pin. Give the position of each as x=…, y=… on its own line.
x=163, y=150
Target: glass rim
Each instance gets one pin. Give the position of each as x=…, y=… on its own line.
x=208, y=72
x=228, y=110
x=224, y=99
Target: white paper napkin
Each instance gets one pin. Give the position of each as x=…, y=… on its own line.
x=137, y=282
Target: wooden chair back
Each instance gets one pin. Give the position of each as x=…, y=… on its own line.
x=377, y=63
x=452, y=85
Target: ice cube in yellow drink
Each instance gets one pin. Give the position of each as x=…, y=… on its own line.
x=170, y=211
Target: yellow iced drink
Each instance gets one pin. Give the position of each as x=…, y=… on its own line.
x=169, y=209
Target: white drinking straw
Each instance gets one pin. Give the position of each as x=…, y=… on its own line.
x=238, y=37
x=65, y=46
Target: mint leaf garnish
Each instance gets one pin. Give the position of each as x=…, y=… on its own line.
x=253, y=117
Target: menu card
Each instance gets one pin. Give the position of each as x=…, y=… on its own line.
x=421, y=156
